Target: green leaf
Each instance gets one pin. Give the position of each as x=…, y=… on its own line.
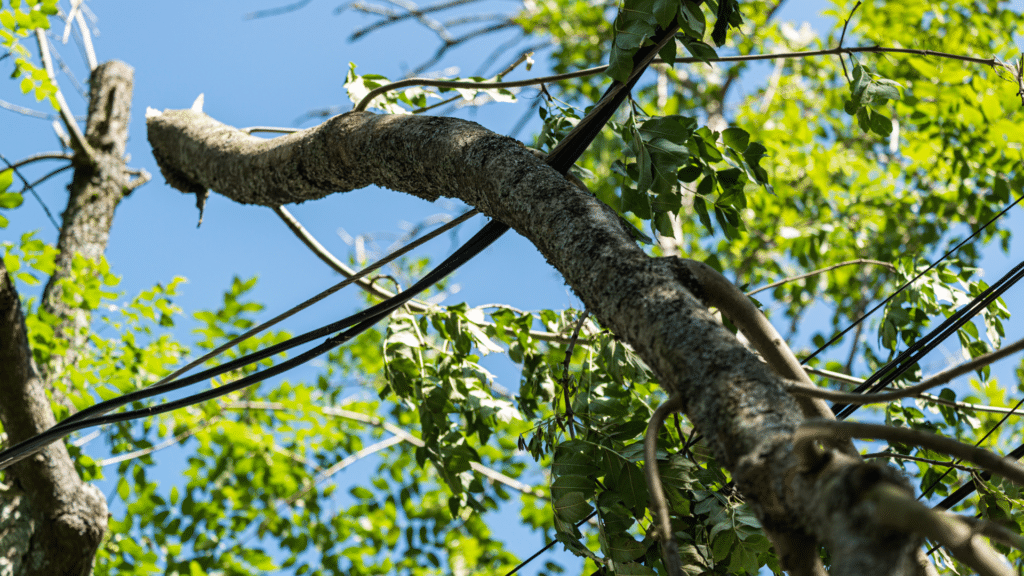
x=736, y=138
x=572, y=507
x=6, y=179
x=700, y=50
x=10, y=200
x=691, y=19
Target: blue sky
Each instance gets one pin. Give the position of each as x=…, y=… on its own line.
x=270, y=72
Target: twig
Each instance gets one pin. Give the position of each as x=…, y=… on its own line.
x=276, y=11
x=331, y=260
x=897, y=509
x=843, y=36
x=31, y=187
x=26, y=111
x=566, y=382
x=918, y=459
x=65, y=111
x=90, y=52
x=393, y=17
x=689, y=60
x=41, y=156
x=822, y=271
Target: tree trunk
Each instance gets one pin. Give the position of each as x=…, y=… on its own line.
x=51, y=522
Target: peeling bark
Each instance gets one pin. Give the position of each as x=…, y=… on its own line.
x=733, y=399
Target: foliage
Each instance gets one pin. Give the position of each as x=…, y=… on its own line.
x=17, y=22
x=889, y=158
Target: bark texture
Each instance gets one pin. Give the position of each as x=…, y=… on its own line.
x=51, y=522
x=735, y=401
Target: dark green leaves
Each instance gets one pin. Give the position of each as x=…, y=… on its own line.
x=866, y=91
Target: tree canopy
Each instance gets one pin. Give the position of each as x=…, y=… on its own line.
x=848, y=187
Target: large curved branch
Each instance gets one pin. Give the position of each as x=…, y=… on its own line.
x=740, y=407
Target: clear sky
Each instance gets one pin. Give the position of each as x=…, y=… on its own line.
x=272, y=71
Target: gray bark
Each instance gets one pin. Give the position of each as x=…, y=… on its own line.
x=51, y=522
x=733, y=399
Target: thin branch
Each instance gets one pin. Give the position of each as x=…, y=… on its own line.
x=393, y=17
x=41, y=156
x=31, y=187
x=143, y=452
x=362, y=105
x=276, y=11
x=338, y=266
x=937, y=380
x=822, y=271
x=65, y=111
x=918, y=459
x=399, y=433
x=923, y=395
x=896, y=508
x=413, y=11
x=669, y=550
x=341, y=465
x=464, y=38
x=90, y=52
x=70, y=74
x=26, y=111
x=843, y=36
x=812, y=431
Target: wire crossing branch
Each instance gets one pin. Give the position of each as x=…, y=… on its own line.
x=734, y=399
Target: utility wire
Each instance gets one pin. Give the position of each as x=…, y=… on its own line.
x=94, y=415
x=912, y=355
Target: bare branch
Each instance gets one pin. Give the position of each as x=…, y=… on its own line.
x=898, y=509
x=276, y=11
x=31, y=187
x=65, y=110
x=41, y=156
x=816, y=430
x=822, y=271
x=392, y=17
x=937, y=380
x=26, y=111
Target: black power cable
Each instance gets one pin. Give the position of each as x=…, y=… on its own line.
x=912, y=355
x=94, y=415
x=561, y=158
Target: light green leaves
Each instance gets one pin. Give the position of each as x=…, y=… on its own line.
x=399, y=100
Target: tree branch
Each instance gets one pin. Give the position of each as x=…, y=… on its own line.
x=822, y=271
x=77, y=138
x=364, y=103
x=915, y=390
x=817, y=430
x=741, y=409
